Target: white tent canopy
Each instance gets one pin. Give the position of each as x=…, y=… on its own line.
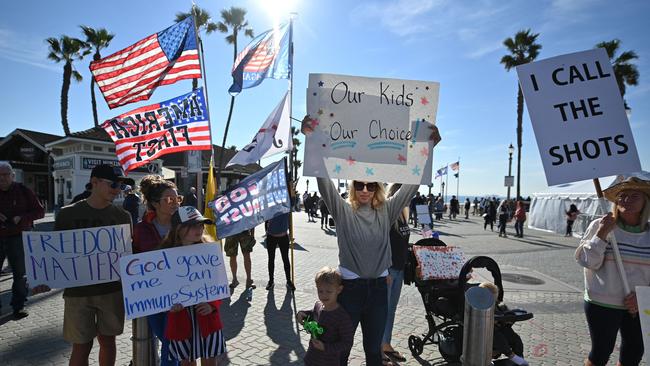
x=547, y=209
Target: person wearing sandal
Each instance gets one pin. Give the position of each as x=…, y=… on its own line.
x=399, y=239
x=362, y=232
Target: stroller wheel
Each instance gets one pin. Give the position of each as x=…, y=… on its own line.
x=416, y=345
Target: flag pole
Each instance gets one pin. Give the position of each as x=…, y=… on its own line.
x=446, y=183
x=612, y=240
x=458, y=180
x=291, y=165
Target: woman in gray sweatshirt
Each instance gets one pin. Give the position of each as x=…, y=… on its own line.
x=363, y=236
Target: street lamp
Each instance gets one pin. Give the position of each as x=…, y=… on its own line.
x=511, y=149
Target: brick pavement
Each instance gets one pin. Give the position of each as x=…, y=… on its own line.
x=264, y=332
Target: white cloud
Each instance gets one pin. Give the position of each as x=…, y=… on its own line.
x=403, y=17
x=485, y=49
x=25, y=50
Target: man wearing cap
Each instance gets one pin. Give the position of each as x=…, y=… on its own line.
x=19, y=207
x=94, y=310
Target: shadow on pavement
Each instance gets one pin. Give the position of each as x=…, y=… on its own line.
x=234, y=314
x=5, y=298
x=279, y=328
x=24, y=352
x=296, y=246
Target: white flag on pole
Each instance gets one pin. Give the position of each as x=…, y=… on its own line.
x=274, y=137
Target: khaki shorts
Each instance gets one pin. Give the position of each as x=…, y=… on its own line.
x=87, y=316
x=246, y=240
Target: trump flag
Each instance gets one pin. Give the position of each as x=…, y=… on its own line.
x=132, y=74
x=267, y=56
x=144, y=134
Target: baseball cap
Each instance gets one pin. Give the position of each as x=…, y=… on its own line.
x=188, y=215
x=105, y=171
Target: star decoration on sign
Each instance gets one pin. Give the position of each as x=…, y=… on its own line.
x=337, y=169
x=401, y=157
x=424, y=151
x=314, y=94
x=427, y=88
x=320, y=111
x=370, y=171
x=314, y=122
x=416, y=170
x=350, y=160
x=320, y=84
x=424, y=101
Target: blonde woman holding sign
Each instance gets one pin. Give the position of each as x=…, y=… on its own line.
x=362, y=231
x=607, y=307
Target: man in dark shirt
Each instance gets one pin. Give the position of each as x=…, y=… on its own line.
x=19, y=207
x=83, y=195
x=94, y=310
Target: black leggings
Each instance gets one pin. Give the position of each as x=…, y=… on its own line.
x=569, y=227
x=283, y=243
x=604, y=324
x=323, y=217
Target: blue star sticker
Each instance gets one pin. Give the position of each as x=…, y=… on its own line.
x=369, y=171
x=416, y=170
x=320, y=84
x=337, y=169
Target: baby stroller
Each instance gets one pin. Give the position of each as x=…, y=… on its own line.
x=444, y=302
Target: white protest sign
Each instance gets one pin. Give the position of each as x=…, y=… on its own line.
x=643, y=303
x=154, y=281
x=578, y=117
x=370, y=129
x=71, y=258
x=424, y=217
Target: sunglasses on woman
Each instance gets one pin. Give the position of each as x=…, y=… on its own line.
x=371, y=187
x=169, y=199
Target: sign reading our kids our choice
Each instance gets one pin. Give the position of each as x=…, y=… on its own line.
x=154, y=281
x=578, y=117
x=370, y=129
x=71, y=258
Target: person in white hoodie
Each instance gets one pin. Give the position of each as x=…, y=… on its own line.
x=607, y=308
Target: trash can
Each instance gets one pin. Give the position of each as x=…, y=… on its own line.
x=479, y=327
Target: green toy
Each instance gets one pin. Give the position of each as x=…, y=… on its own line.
x=312, y=327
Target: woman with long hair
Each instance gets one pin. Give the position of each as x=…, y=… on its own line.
x=607, y=307
x=162, y=200
x=571, y=216
x=363, y=236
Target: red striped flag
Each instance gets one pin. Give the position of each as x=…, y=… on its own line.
x=455, y=166
x=148, y=132
x=132, y=74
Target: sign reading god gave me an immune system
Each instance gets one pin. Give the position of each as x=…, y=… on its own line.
x=370, y=129
x=578, y=117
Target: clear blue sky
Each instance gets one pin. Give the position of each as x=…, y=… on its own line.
x=457, y=43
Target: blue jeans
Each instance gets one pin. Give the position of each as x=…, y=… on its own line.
x=11, y=247
x=393, y=293
x=366, y=301
x=157, y=323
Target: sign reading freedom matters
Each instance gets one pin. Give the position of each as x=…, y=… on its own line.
x=370, y=129
x=154, y=281
x=71, y=258
x=257, y=198
x=578, y=117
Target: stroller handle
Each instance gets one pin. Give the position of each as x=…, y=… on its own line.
x=481, y=262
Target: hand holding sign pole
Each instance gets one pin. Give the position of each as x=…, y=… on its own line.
x=579, y=121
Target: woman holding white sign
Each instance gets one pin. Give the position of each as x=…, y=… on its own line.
x=362, y=230
x=607, y=308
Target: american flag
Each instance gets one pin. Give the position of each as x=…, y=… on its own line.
x=267, y=56
x=148, y=132
x=132, y=74
x=455, y=166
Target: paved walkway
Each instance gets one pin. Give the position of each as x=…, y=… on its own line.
x=263, y=331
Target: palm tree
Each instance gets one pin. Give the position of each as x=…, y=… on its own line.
x=233, y=20
x=203, y=23
x=523, y=49
x=67, y=49
x=294, y=153
x=626, y=73
x=96, y=39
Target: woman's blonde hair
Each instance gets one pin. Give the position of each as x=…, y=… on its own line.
x=378, y=198
x=173, y=237
x=645, y=212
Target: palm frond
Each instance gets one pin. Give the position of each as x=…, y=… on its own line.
x=76, y=76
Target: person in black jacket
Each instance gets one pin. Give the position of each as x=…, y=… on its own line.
x=131, y=203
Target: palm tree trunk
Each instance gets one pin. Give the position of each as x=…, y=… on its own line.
x=67, y=73
x=93, y=101
x=520, y=114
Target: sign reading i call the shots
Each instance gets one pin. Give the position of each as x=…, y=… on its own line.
x=370, y=129
x=578, y=117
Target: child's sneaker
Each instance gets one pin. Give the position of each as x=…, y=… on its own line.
x=518, y=360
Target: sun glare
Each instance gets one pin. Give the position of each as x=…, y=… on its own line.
x=278, y=10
